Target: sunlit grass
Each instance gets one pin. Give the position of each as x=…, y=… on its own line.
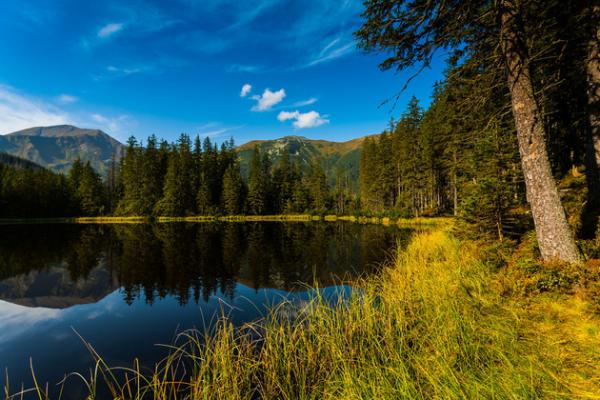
x=402, y=222
x=432, y=326
x=111, y=220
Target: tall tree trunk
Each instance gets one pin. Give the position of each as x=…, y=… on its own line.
x=454, y=184
x=593, y=80
x=554, y=235
x=591, y=210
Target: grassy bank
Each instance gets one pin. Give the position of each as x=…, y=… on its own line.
x=440, y=323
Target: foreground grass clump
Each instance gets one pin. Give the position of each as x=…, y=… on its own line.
x=434, y=325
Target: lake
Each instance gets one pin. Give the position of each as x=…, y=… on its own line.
x=127, y=288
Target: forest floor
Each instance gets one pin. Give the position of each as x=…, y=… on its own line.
x=450, y=319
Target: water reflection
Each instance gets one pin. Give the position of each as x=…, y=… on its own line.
x=126, y=288
x=57, y=266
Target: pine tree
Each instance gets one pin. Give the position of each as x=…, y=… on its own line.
x=90, y=191
x=233, y=190
x=284, y=176
x=178, y=197
x=257, y=185
x=130, y=177
x=152, y=177
x=316, y=183
x=170, y=204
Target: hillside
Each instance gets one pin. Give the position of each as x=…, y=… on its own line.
x=56, y=147
x=18, y=162
x=332, y=155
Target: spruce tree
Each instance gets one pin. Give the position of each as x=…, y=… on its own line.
x=131, y=172
x=152, y=178
x=233, y=190
x=316, y=183
x=257, y=185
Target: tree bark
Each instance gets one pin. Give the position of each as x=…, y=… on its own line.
x=591, y=210
x=555, y=239
x=593, y=80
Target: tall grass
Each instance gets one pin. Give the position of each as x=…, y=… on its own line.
x=432, y=326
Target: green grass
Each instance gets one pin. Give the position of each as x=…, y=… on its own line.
x=436, y=325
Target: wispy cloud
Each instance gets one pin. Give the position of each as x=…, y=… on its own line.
x=311, y=119
x=115, y=72
x=18, y=111
x=67, y=99
x=110, y=29
x=268, y=99
x=215, y=129
x=253, y=69
x=124, y=71
x=110, y=124
x=214, y=133
x=304, y=103
x=21, y=111
x=331, y=51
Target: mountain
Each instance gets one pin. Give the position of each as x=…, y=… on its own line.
x=332, y=155
x=56, y=147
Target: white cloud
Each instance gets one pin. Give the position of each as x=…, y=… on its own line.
x=304, y=103
x=246, y=89
x=214, y=133
x=110, y=29
x=268, y=100
x=310, y=119
x=67, y=99
x=20, y=112
x=331, y=51
x=110, y=124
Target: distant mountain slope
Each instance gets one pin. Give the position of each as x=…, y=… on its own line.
x=18, y=162
x=56, y=147
x=332, y=155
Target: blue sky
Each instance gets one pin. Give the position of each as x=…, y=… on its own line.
x=252, y=69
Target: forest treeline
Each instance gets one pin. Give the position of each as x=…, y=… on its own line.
x=171, y=179
x=204, y=179
x=30, y=191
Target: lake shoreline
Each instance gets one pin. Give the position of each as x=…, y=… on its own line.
x=409, y=222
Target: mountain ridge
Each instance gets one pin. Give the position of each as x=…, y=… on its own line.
x=333, y=156
x=57, y=147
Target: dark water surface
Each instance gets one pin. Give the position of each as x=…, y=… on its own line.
x=127, y=288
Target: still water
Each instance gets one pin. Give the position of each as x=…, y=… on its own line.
x=127, y=288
